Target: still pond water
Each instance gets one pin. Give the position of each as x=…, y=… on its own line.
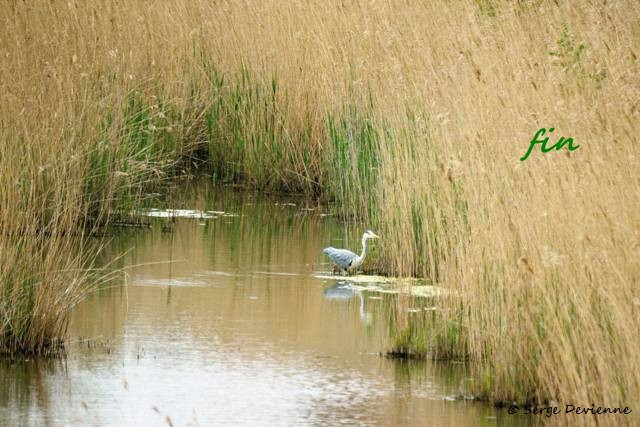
x=222, y=321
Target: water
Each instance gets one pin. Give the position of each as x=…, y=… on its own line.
x=222, y=321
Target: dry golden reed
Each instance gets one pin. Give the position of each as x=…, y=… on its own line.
x=413, y=115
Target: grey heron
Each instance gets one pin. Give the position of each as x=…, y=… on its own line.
x=346, y=260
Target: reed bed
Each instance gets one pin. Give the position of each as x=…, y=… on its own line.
x=410, y=116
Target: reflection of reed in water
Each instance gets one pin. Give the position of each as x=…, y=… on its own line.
x=24, y=382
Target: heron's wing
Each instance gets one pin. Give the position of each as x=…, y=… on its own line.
x=342, y=257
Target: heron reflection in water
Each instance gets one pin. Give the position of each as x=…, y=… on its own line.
x=342, y=291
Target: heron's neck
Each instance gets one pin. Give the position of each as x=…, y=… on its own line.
x=364, y=247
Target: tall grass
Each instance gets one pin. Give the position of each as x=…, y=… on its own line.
x=412, y=117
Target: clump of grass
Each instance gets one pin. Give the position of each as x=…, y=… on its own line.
x=570, y=57
x=353, y=163
x=35, y=302
x=249, y=139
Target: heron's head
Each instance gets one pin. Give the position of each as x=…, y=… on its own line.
x=370, y=235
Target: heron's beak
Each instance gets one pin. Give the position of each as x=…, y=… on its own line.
x=374, y=235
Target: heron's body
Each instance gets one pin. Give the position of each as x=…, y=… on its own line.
x=346, y=260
